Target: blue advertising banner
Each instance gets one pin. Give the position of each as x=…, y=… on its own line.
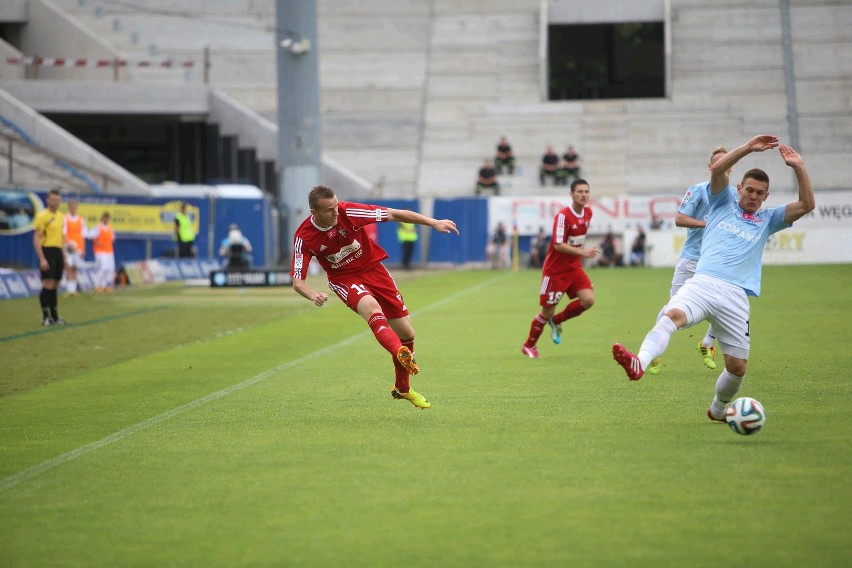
x=15, y=285
x=190, y=269
x=4, y=292
x=32, y=278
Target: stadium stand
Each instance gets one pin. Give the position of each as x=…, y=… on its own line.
x=414, y=93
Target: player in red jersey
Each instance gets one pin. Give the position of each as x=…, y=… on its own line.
x=334, y=235
x=563, y=272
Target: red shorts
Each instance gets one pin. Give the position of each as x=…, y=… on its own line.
x=554, y=287
x=376, y=282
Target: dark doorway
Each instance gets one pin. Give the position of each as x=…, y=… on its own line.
x=606, y=61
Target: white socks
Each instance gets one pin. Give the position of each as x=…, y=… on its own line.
x=656, y=341
x=727, y=386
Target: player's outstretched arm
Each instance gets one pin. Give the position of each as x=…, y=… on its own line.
x=795, y=210
x=406, y=216
x=719, y=171
x=684, y=220
x=305, y=291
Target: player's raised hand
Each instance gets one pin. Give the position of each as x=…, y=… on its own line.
x=791, y=157
x=446, y=226
x=762, y=142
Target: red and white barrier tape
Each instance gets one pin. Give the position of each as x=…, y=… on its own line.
x=68, y=62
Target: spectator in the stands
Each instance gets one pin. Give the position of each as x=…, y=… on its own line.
x=487, y=179
x=571, y=163
x=549, y=165
x=504, y=157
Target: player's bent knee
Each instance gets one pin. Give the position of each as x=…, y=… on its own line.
x=735, y=365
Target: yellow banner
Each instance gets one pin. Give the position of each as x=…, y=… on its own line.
x=148, y=219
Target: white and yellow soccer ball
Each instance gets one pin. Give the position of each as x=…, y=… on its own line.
x=745, y=416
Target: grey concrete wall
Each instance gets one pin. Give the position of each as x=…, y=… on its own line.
x=50, y=32
x=8, y=71
x=251, y=129
x=13, y=11
x=119, y=98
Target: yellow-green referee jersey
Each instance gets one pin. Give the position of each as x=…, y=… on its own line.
x=50, y=224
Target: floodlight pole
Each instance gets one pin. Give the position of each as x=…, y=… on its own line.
x=299, y=135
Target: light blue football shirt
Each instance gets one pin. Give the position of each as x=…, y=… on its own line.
x=695, y=204
x=732, y=249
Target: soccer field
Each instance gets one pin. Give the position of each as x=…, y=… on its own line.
x=174, y=426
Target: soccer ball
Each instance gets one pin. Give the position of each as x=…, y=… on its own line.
x=745, y=416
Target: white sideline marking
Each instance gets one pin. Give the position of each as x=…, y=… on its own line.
x=38, y=469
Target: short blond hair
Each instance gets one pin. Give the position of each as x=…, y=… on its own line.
x=718, y=150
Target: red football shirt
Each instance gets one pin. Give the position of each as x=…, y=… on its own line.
x=568, y=227
x=343, y=249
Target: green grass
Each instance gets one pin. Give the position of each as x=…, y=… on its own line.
x=299, y=456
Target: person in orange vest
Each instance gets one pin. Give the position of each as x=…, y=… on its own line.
x=74, y=230
x=103, y=238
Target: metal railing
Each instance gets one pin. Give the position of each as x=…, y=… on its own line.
x=82, y=172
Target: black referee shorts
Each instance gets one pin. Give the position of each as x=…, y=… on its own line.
x=55, y=263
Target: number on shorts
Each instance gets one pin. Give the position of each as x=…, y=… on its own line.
x=554, y=297
x=360, y=289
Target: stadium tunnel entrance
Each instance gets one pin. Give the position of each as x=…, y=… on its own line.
x=159, y=148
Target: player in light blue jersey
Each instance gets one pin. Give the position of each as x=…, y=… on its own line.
x=691, y=214
x=728, y=269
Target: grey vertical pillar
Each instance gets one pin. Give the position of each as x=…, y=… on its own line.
x=790, y=76
x=299, y=143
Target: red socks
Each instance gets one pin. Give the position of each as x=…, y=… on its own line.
x=572, y=310
x=390, y=341
x=384, y=334
x=401, y=373
x=536, y=328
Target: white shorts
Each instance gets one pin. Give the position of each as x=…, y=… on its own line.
x=684, y=270
x=74, y=260
x=723, y=304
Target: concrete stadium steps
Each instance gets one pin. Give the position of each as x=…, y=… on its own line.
x=32, y=168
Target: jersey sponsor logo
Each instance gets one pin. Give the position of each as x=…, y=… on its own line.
x=737, y=232
x=337, y=258
x=577, y=241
